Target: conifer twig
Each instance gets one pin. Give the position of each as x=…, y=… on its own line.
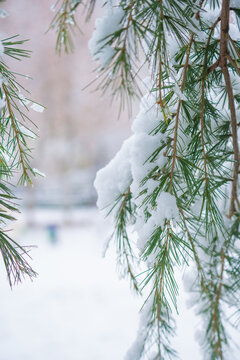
x=174, y=156
x=24, y=168
x=180, y=100
x=123, y=50
x=218, y=342
x=159, y=294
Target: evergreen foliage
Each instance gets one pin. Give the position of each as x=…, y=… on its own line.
x=15, y=156
x=64, y=21
x=175, y=181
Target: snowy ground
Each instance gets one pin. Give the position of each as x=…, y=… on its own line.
x=77, y=308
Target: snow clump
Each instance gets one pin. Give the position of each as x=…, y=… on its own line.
x=105, y=26
x=115, y=178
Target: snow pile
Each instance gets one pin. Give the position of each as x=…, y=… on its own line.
x=143, y=147
x=209, y=14
x=145, y=142
x=132, y=163
x=105, y=26
x=172, y=46
x=114, y=179
x=148, y=117
x=133, y=167
x=166, y=209
x=136, y=348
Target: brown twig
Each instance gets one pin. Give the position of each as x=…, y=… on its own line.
x=234, y=196
x=201, y=133
x=160, y=101
x=125, y=196
x=222, y=62
x=213, y=66
x=205, y=72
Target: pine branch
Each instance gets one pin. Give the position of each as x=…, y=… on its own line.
x=234, y=196
x=180, y=101
x=124, y=247
x=203, y=95
x=123, y=49
x=178, y=112
x=64, y=22
x=16, y=134
x=162, y=266
x=218, y=343
x=14, y=156
x=180, y=158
